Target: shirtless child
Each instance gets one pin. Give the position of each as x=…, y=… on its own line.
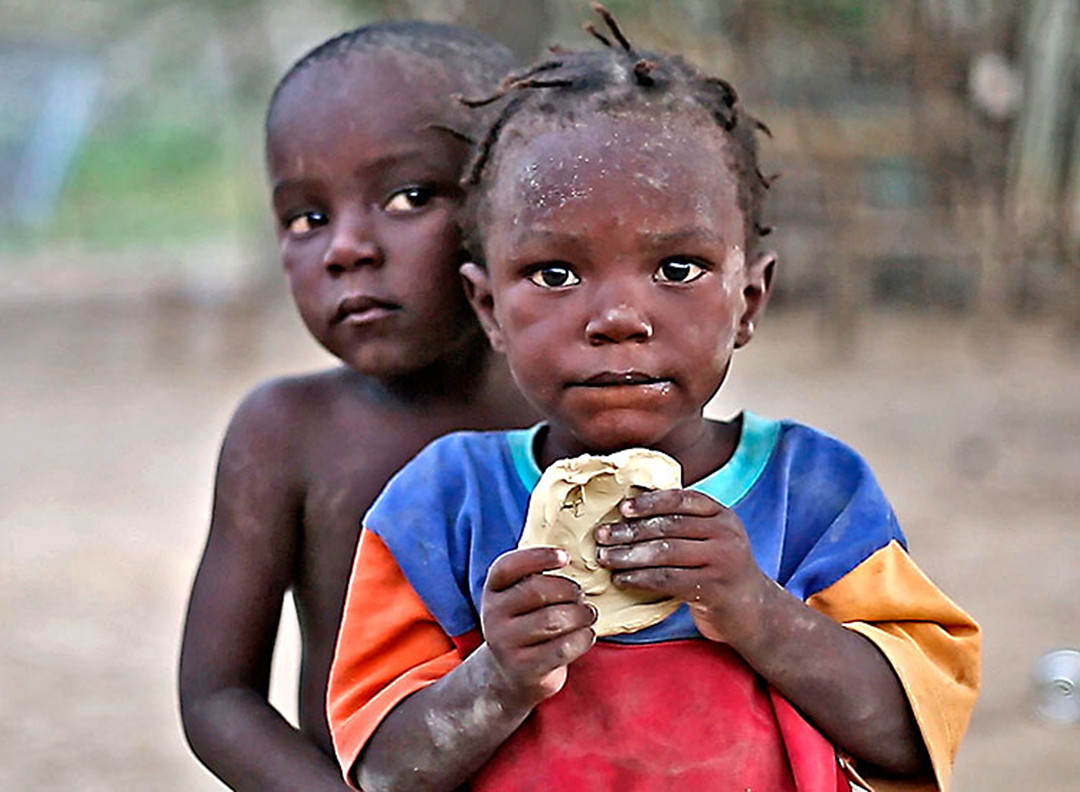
x=365, y=179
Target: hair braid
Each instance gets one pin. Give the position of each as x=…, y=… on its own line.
x=615, y=78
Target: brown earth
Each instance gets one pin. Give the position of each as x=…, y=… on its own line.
x=112, y=414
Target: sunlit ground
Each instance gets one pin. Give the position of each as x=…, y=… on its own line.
x=111, y=419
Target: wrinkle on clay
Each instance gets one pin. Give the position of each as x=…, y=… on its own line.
x=576, y=495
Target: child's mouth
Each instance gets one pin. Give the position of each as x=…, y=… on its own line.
x=614, y=379
x=362, y=309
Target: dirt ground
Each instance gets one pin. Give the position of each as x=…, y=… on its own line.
x=111, y=418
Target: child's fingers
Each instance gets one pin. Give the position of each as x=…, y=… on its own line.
x=549, y=623
x=671, y=501
x=513, y=565
x=659, y=527
x=565, y=649
x=538, y=591
x=655, y=553
x=672, y=581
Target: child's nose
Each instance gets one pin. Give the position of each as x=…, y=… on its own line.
x=353, y=244
x=618, y=324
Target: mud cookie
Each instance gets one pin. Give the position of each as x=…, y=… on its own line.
x=576, y=495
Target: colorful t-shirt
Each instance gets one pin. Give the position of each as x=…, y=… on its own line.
x=662, y=708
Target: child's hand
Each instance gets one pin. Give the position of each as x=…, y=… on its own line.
x=534, y=624
x=685, y=545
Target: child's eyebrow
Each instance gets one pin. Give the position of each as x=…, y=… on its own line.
x=409, y=155
x=422, y=157
x=665, y=238
x=286, y=185
x=691, y=234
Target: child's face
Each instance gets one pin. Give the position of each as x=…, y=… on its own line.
x=366, y=195
x=617, y=280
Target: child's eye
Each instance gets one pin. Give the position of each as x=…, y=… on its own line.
x=554, y=276
x=409, y=200
x=678, y=270
x=305, y=221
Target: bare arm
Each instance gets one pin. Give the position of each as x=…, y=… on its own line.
x=534, y=625
x=233, y=616
x=838, y=678
x=686, y=545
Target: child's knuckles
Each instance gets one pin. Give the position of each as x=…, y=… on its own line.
x=660, y=548
x=658, y=526
x=515, y=565
x=492, y=608
x=580, y=641
x=547, y=589
x=614, y=533
x=570, y=648
x=544, y=590
x=658, y=579
x=556, y=620
x=567, y=618
x=503, y=573
x=643, y=553
x=663, y=578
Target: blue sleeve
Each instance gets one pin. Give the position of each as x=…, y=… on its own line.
x=420, y=516
x=836, y=517
x=446, y=516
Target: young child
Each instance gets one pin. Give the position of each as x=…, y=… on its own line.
x=365, y=175
x=617, y=212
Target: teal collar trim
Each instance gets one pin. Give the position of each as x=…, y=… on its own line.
x=728, y=485
x=522, y=442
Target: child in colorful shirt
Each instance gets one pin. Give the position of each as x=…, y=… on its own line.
x=618, y=266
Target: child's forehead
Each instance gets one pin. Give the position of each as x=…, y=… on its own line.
x=652, y=159
x=380, y=80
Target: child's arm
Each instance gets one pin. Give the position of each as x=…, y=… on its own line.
x=684, y=544
x=533, y=626
x=233, y=616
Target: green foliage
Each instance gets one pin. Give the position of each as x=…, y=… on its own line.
x=839, y=14
x=147, y=184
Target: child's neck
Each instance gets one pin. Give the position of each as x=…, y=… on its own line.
x=470, y=374
x=701, y=445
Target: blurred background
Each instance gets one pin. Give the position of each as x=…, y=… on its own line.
x=928, y=312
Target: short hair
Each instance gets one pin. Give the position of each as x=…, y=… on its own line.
x=476, y=62
x=616, y=79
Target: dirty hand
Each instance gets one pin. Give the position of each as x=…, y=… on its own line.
x=534, y=624
x=683, y=544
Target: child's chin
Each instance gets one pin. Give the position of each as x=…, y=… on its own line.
x=624, y=429
x=382, y=362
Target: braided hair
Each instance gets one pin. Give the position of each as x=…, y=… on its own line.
x=614, y=80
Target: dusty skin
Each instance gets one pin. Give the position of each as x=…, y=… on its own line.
x=113, y=415
x=576, y=495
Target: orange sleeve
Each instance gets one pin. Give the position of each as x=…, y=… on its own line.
x=388, y=647
x=932, y=645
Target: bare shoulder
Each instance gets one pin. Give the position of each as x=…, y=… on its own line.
x=282, y=399
x=283, y=410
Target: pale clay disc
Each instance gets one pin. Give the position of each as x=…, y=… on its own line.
x=576, y=495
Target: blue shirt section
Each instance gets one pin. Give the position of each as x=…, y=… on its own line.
x=811, y=507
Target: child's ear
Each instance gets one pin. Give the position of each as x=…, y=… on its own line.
x=478, y=290
x=759, y=280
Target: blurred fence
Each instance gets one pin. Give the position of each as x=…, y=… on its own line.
x=929, y=149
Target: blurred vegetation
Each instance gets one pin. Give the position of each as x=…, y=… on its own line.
x=881, y=132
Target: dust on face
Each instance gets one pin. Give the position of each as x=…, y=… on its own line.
x=615, y=251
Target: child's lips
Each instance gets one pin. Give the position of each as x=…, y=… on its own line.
x=362, y=309
x=616, y=379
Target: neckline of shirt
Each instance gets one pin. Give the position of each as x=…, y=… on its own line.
x=727, y=484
